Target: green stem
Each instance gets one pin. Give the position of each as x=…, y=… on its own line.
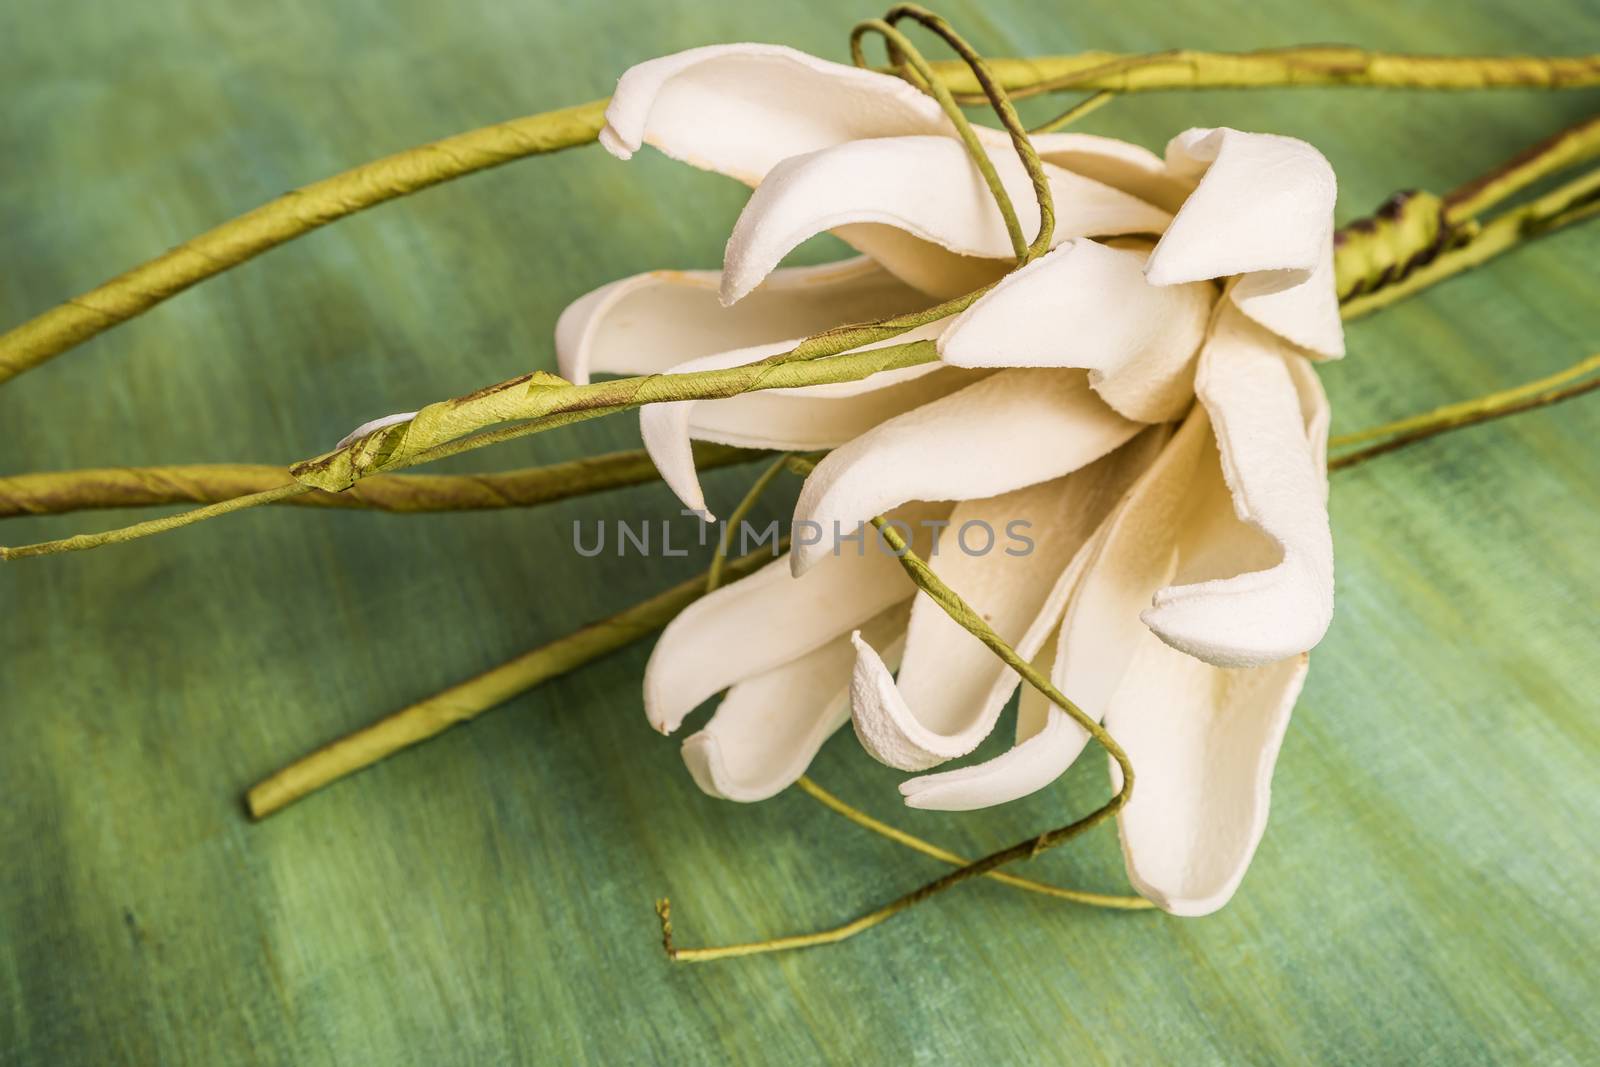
x=927, y=848
x=464, y=702
x=1572, y=202
x=1564, y=385
x=1303, y=66
x=714, y=576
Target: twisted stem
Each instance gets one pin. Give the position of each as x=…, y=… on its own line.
x=59, y=492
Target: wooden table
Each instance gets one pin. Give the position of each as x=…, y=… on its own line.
x=1419, y=897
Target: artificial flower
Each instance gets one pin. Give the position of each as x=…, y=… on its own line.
x=1181, y=564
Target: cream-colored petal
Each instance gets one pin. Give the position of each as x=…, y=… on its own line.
x=1263, y=209
x=1263, y=591
x=1087, y=305
x=768, y=728
x=1315, y=412
x=1304, y=312
x=1121, y=165
x=1013, y=429
x=1007, y=556
x=651, y=322
x=761, y=622
x=738, y=109
x=927, y=187
x=1203, y=741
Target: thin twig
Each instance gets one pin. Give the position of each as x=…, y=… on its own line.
x=1409, y=431
x=466, y=701
x=1077, y=896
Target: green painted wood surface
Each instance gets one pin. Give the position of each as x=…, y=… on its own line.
x=1424, y=893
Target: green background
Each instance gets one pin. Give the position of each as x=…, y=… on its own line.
x=1423, y=895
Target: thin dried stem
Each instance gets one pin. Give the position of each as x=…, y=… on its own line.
x=715, y=575
x=1077, y=896
x=79, y=542
x=1086, y=106
x=1576, y=144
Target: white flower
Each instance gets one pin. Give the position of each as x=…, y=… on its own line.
x=1178, y=575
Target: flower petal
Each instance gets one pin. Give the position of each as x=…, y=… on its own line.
x=768, y=728
x=1306, y=313
x=1087, y=305
x=763, y=621
x=1263, y=590
x=1010, y=430
x=738, y=109
x=650, y=322
x=1203, y=741
x=873, y=193
x=1121, y=165
x=1263, y=209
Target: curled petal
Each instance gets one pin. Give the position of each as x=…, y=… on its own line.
x=1306, y=313
x=768, y=728
x=651, y=322
x=1203, y=741
x=758, y=623
x=1087, y=305
x=874, y=193
x=1013, y=429
x=1264, y=591
x=1263, y=209
x=738, y=109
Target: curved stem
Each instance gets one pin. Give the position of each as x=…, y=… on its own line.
x=927, y=848
x=79, y=542
x=59, y=492
x=450, y=427
x=289, y=216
